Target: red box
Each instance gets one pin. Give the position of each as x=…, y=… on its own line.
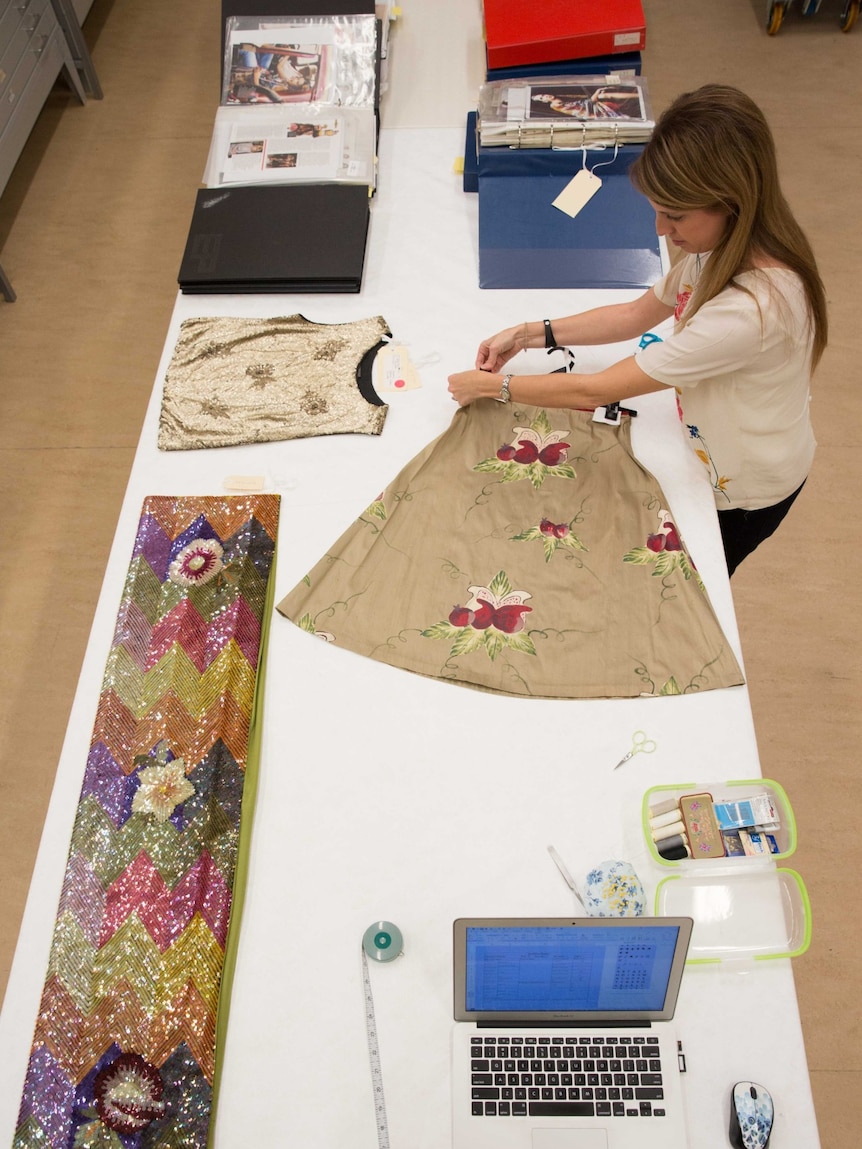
x=539, y=31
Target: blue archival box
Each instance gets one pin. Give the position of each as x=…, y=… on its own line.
x=524, y=241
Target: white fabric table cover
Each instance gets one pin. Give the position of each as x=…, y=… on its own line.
x=384, y=795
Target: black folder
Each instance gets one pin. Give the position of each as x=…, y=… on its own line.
x=277, y=238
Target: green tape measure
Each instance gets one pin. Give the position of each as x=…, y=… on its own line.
x=382, y=942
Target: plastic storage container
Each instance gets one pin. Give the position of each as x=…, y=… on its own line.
x=762, y=913
x=733, y=791
x=745, y=908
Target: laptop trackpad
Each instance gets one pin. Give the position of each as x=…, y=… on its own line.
x=570, y=1139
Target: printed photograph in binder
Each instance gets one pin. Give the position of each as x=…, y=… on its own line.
x=328, y=60
x=564, y=111
x=298, y=102
x=317, y=144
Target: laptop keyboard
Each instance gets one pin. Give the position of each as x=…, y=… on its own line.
x=518, y=1076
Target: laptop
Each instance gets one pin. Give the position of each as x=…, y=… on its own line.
x=562, y=1037
x=276, y=238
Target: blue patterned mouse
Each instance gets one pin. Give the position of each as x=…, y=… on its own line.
x=751, y=1116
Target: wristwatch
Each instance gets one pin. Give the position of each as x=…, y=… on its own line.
x=504, y=396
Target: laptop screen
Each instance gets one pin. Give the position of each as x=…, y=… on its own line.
x=569, y=969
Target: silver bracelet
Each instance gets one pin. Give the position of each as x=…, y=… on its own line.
x=504, y=396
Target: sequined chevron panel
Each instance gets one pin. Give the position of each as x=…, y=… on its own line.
x=125, y=1043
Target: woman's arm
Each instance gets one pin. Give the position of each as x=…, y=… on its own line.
x=623, y=380
x=610, y=324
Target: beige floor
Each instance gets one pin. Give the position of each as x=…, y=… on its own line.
x=92, y=227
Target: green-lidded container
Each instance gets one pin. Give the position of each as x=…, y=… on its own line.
x=745, y=907
x=738, y=916
x=733, y=791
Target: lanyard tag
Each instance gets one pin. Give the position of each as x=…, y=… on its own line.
x=578, y=192
x=393, y=370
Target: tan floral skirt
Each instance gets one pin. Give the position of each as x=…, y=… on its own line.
x=525, y=551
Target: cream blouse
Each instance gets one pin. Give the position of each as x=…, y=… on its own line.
x=742, y=367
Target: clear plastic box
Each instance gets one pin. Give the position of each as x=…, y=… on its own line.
x=733, y=791
x=745, y=908
x=758, y=914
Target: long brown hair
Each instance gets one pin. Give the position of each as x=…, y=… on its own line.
x=712, y=149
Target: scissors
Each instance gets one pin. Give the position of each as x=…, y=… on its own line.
x=640, y=745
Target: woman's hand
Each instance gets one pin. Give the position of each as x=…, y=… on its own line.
x=495, y=352
x=467, y=386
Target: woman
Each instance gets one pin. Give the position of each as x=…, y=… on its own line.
x=750, y=315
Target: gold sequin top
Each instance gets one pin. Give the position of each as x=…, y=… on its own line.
x=234, y=381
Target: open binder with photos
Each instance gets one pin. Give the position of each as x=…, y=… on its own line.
x=564, y=111
x=298, y=102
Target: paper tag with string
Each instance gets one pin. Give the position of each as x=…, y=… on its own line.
x=393, y=370
x=578, y=192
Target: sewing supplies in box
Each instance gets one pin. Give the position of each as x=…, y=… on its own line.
x=696, y=826
x=712, y=838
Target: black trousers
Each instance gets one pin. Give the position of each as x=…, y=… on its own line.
x=742, y=531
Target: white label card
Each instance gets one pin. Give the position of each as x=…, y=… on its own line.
x=393, y=370
x=578, y=192
x=244, y=482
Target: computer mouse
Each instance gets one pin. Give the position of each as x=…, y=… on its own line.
x=751, y=1115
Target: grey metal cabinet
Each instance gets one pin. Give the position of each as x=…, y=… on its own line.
x=34, y=49
x=70, y=14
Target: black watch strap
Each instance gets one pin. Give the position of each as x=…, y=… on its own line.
x=550, y=342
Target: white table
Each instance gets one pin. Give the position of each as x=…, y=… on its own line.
x=386, y=795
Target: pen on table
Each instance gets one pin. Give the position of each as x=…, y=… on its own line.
x=567, y=877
